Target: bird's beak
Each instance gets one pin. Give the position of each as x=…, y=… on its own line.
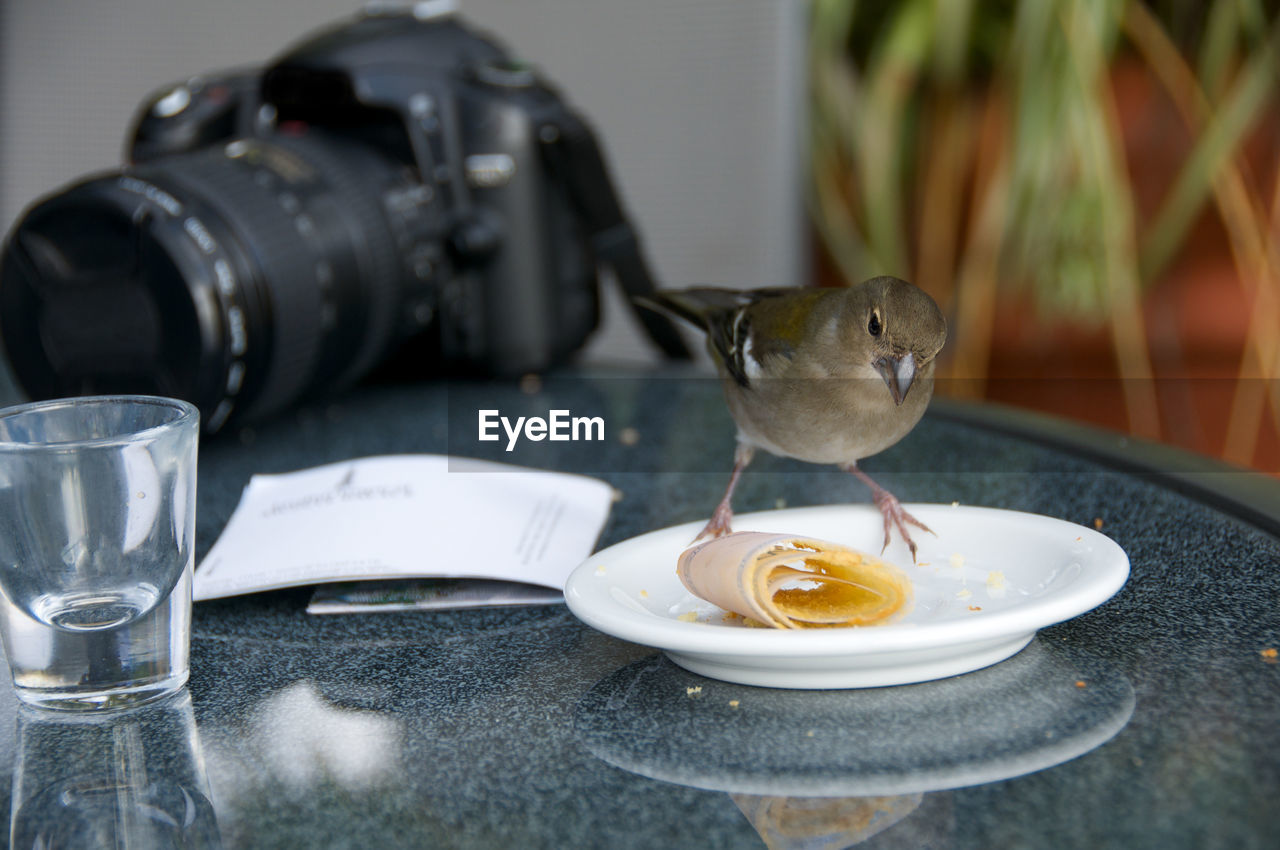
x=898, y=374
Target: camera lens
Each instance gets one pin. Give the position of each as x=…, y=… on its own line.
x=240, y=277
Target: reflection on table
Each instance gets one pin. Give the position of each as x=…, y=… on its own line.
x=837, y=767
x=130, y=778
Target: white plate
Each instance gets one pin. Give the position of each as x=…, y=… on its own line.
x=983, y=587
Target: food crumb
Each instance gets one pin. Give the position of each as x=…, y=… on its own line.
x=688, y=617
x=957, y=560
x=809, y=734
x=600, y=570
x=964, y=593
x=995, y=578
x=1097, y=523
x=1080, y=683
x=733, y=703
x=628, y=436
x=644, y=594
x=693, y=691
x=955, y=504
x=780, y=503
x=924, y=564
x=975, y=607
x=1269, y=654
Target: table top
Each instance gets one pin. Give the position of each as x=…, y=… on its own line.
x=522, y=727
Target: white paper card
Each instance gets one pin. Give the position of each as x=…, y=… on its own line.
x=405, y=516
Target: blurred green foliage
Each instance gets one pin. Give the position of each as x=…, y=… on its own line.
x=1037, y=181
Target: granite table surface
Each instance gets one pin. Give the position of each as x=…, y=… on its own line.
x=522, y=727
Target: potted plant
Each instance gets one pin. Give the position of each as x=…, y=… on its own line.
x=1089, y=189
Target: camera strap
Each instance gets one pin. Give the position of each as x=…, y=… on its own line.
x=572, y=152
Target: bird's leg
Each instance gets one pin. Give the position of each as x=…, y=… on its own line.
x=722, y=519
x=894, y=514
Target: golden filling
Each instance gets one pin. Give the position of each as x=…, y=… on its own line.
x=833, y=587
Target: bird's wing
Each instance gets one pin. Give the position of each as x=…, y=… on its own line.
x=728, y=333
x=782, y=319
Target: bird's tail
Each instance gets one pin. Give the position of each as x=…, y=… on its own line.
x=696, y=305
x=660, y=302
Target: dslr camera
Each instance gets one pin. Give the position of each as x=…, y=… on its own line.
x=396, y=191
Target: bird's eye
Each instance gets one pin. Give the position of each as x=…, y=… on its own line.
x=873, y=326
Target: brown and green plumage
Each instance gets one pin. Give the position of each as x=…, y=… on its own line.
x=821, y=375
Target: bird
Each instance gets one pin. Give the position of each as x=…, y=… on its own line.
x=823, y=375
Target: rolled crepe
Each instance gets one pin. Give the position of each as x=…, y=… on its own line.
x=791, y=582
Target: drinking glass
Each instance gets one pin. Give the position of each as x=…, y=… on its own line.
x=97, y=519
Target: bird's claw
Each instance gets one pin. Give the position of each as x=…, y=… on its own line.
x=896, y=516
x=720, y=524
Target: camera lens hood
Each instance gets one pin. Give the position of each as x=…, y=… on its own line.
x=102, y=290
x=241, y=278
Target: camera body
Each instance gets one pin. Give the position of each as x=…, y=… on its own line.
x=489, y=247
x=394, y=190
